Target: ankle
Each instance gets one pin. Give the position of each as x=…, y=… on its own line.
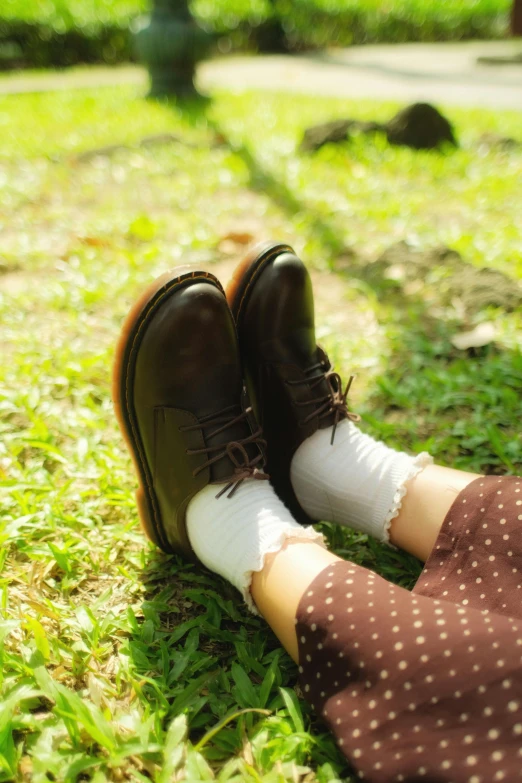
x=356, y=481
x=233, y=536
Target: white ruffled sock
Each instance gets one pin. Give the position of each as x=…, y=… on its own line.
x=356, y=481
x=232, y=536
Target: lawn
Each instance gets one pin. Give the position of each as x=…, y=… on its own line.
x=120, y=663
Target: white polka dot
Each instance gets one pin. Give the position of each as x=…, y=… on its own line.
x=471, y=761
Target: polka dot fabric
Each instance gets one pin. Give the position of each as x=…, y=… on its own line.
x=477, y=558
x=417, y=686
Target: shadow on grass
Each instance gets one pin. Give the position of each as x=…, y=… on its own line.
x=197, y=640
x=199, y=650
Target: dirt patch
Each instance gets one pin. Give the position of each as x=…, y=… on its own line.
x=450, y=278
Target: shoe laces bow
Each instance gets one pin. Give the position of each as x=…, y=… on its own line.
x=244, y=466
x=335, y=402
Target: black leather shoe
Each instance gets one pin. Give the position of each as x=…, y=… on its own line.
x=290, y=380
x=179, y=397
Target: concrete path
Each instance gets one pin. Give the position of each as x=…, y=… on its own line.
x=81, y=78
x=441, y=73
x=446, y=73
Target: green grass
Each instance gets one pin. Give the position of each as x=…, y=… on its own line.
x=112, y=652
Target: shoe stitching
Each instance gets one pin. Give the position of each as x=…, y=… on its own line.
x=144, y=316
x=263, y=260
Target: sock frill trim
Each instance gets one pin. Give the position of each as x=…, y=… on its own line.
x=421, y=461
x=287, y=534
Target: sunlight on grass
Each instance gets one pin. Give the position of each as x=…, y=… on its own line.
x=113, y=654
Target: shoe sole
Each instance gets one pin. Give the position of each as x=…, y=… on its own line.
x=122, y=386
x=247, y=272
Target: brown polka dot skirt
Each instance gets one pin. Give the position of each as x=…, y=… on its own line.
x=426, y=685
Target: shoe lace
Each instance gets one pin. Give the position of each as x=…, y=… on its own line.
x=336, y=401
x=244, y=466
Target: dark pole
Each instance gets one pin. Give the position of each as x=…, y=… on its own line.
x=516, y=18
x=170, y=43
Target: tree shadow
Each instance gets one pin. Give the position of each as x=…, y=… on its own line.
x=194, y=628
x=192, y=649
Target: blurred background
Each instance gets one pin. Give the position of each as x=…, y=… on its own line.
x=45, y=33
x=120, y=663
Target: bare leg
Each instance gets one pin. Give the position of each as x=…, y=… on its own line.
x=279, y=587
x=428, y=499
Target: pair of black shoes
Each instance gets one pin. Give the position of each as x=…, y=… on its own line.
x=187, y=364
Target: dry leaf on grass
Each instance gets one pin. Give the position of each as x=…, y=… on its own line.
x=481, y=335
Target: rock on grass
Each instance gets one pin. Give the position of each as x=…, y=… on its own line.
x=334, y=132
x=420, y=126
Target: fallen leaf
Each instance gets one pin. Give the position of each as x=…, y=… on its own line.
x=238, y=237
x=483, y=334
